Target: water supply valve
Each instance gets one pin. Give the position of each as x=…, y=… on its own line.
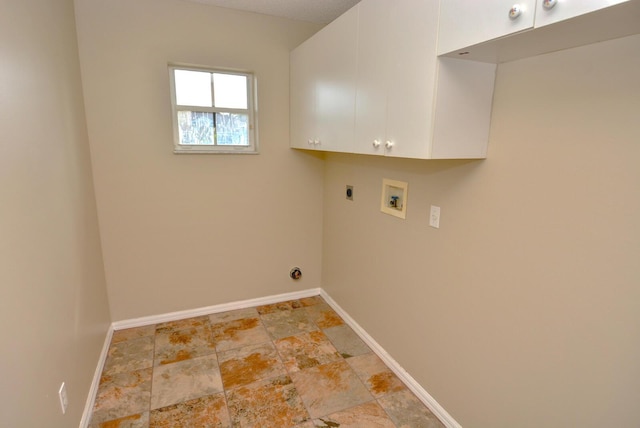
x=295, y=273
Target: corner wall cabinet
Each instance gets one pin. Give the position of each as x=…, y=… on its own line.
x=466, y=23
x=505, y=30
x=407, y=101
x=415, y=78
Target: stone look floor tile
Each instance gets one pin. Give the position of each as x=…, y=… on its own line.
x=183, y=324
x=233, y=315
x=277, y=307
x=121, y=395
x=140, y=420
x=249, y=364
x=306, y=350
x=310, y=301
x=204, y=412
x=269, y=403
x=188, y=390
x=288, y=323
x=132, y=333
x=129, y=355
x=238, y=333
x=407, y=411
x=369, y=415
x=324, y=316
x=377, y=377
x=346, y=341
x=330, y=388
x=178, y=345
x=185, y=380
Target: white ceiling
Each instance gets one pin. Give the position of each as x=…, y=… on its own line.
x=318, y=11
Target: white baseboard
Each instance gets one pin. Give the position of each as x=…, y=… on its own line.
x=411, y=383
x=173, y=316
x=93, y=390
x=405, y=377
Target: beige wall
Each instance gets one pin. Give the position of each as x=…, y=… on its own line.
x=525, y=303
x=523, y=309
x=186, y=231
x=53, y=305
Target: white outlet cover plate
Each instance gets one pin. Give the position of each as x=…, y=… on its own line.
x=434, y=217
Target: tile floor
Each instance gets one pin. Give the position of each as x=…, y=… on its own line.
x=292, y=364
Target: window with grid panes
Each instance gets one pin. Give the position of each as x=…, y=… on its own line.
x=213, y=110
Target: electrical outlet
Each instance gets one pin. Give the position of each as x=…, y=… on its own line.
x=349, y=193
x=64, y=400
x=434, y=217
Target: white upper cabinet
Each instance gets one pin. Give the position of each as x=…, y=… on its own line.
x=322, y=99
x=407, y=102
x=498, y=30
x=410, y=103
x=395, y=87
x=302, y=107
x=466, y=23
x=415, y=78
x=552, y=11
x=372, y=80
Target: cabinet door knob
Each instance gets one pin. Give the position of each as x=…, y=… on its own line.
x=388, y=144
x=548, y=4
x=310, y=142
x=376, y=143
x=316, y=142
x=515, y=11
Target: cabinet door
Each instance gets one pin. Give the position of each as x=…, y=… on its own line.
x=566, y=9
x=336, y=62
x=465, y=23
x=413, y=31
x=372, y=76
x=302, y=96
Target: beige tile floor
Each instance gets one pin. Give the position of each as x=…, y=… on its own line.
x=292, y=364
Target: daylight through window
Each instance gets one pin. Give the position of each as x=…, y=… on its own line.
x=213, y=111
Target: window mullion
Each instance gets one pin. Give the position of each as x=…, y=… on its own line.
x=214, y=110
x=197, y=108
x=235, y=110
x=213, y=104
x=213, y=92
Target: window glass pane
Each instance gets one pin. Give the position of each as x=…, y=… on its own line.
x=195, y=127
x=230, y=90
x=232, y=129
x=193, y=88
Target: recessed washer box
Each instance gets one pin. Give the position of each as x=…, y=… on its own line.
x=394, y=198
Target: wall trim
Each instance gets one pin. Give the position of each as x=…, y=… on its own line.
x=93, y=389
x=411, y=383
x=404, y=376
x=241, y=304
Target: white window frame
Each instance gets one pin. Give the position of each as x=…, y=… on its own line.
x=251, y=111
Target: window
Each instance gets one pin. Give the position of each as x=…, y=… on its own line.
x=213, y=111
